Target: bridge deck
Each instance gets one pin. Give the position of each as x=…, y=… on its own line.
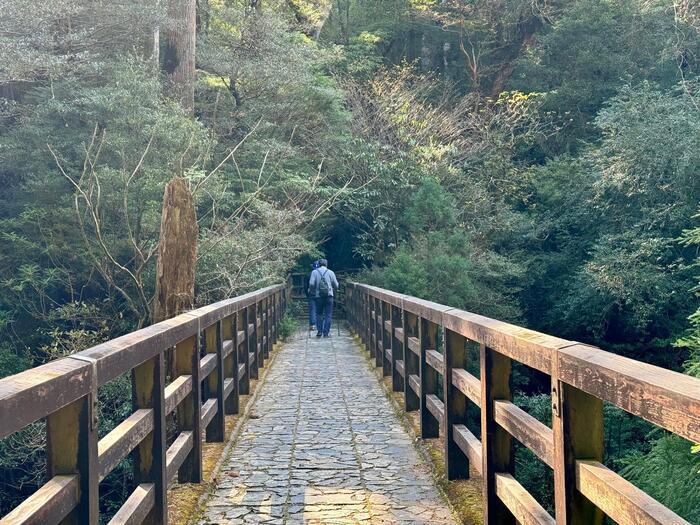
x=323, y=446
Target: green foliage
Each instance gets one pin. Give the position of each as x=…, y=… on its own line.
x=288, y=326
x=669, y=473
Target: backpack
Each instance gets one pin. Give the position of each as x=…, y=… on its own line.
x=324, y=289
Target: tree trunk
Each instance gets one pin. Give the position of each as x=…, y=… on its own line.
x=177, y=253
x=178, y=51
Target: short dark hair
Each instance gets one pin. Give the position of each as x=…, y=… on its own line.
x=323, y=262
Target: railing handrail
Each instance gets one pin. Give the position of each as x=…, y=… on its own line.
x=237, y=334
x=19, y=392
x=400, y=332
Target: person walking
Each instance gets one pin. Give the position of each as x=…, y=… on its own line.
x=312, y=299
x=323, y=285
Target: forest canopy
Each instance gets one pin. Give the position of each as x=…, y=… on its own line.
x=537, y=162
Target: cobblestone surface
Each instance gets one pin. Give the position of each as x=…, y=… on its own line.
x=323, y=446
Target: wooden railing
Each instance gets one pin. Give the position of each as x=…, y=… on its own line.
x=401, y=334
x=214, y=352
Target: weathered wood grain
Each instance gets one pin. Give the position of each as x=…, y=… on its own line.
x=667, y=399
x=50, y=504
x=116, y=445
x=414, y=345
x=436, y=407
x=137, y=507
x=177, y=391
x=209, y=410
x=520, y=503
x=467, y=384
x=414, y=383
x=619, y=499
x=434, y=359
x=177, y=453
x=529, y=431
x=469, y=444
x=33, y=394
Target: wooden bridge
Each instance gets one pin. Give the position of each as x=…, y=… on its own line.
x=197, y=365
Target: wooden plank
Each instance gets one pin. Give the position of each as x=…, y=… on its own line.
x=520, y=503
x=414, y=345
x=414, y=383
x=189, y=410
x=434, y=359
x=50, y=504
x=529, y=431
x=467, y=384
x=251, y=328
x=137, y=507
x=577, y=428
x=397, y=349
x=497, y=443
x=231, y=396
x=251, y=358
x=227, y=347
x=71, y=448
x=207, y=365
x=469, y=444
x=400, y=368
x=148, y=391
x=455, y=356
x=387, y=354
x=411, y=362
x=116, y=445
x=241, y=336
x=177, y=391
x=209, y=410
x=33, y=394
x=531, y=348
x=667, y=399
x=429, y=425
x=619, y=499
x=436, y=407
x=177, y=453
x=241, y=371
x=214, y=346
x=387, y=326
x=228, y=387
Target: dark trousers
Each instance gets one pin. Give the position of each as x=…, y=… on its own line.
x=324, y=314
x=312, y=311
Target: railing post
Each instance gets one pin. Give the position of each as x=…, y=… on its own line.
x=367, y=308
x=259, y=331
x=454, y=356
x=215, y=429
x=379, y=334
x=232, y=402
x=577, y=426
x=243, y=326
x=266, y=328
x=397, y=351
x=148, y=391
x=274, y=320
x=189, y=411
x=429, y=426
x=496, y=443
x=411, y=361
x=71, y=443
x=386, y=339
x=252, y=340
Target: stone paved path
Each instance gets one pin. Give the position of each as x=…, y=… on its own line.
x=323, y=446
